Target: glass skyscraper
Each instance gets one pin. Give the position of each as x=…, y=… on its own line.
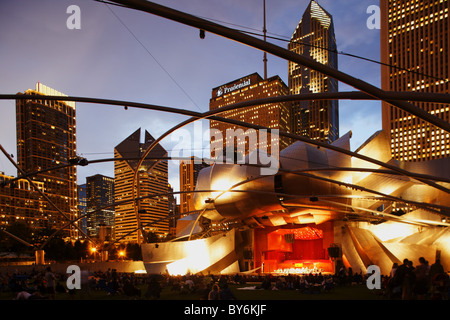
x=314, y=38
x=46, y=137
x=99, y=201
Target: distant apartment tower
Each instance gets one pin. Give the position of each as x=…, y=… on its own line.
x=415, y=44
x=314, y=38
x=82, y=207
x=189, y=170
x=99, y=200
x=21, y=202
x=46, y=137
x=251, y=87
x=152, y=179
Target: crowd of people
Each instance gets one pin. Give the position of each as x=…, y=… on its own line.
x=46, y=284
x=39, y=285
x=405, y=281
x=424, y=281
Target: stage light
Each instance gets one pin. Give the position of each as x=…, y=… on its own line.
x=197, y=259
x=223, y=185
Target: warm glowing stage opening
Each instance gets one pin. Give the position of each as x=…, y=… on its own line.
x=301, y=250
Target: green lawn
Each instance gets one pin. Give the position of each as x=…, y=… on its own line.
x=357, y=292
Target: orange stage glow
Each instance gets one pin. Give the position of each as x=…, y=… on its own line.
x=306, y=233
x=294, y=251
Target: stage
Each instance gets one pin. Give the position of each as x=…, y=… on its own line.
x=294, y=250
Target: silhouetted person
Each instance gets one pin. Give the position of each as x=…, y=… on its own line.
x=422, y=284
x=153, y=289
x=214, y=293
x=50, y=285
x=226, y=293
x=436, y=268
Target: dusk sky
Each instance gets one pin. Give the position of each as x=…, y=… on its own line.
x=129, y=55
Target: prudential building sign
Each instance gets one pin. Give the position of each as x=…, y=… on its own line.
x=227, y=89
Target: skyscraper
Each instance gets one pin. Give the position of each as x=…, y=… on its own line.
x=99, y=194
x=415, y=43
x=46, y=137
x=251, y=87
x=314, y=38
x=152, y=179
x=189, y=170
x=82, y=207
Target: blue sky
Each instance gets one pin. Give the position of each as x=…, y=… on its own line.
x=160, y=62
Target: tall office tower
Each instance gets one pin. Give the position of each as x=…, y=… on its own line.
x=416, y=45
x=99, y=199
x=189, y=170
x=314, y=38
x=46, y=137
x=273, y=115
x=152, y=179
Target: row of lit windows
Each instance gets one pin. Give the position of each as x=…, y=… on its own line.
x=412, y=7
x=411, y=25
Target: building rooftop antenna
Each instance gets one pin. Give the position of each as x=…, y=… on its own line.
x=264, y=32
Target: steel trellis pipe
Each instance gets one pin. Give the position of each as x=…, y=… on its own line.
x=210, y=115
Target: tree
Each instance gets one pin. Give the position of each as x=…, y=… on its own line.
x=56, y=249
x=22, y=231
x=134, y=251
x=80, y=249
